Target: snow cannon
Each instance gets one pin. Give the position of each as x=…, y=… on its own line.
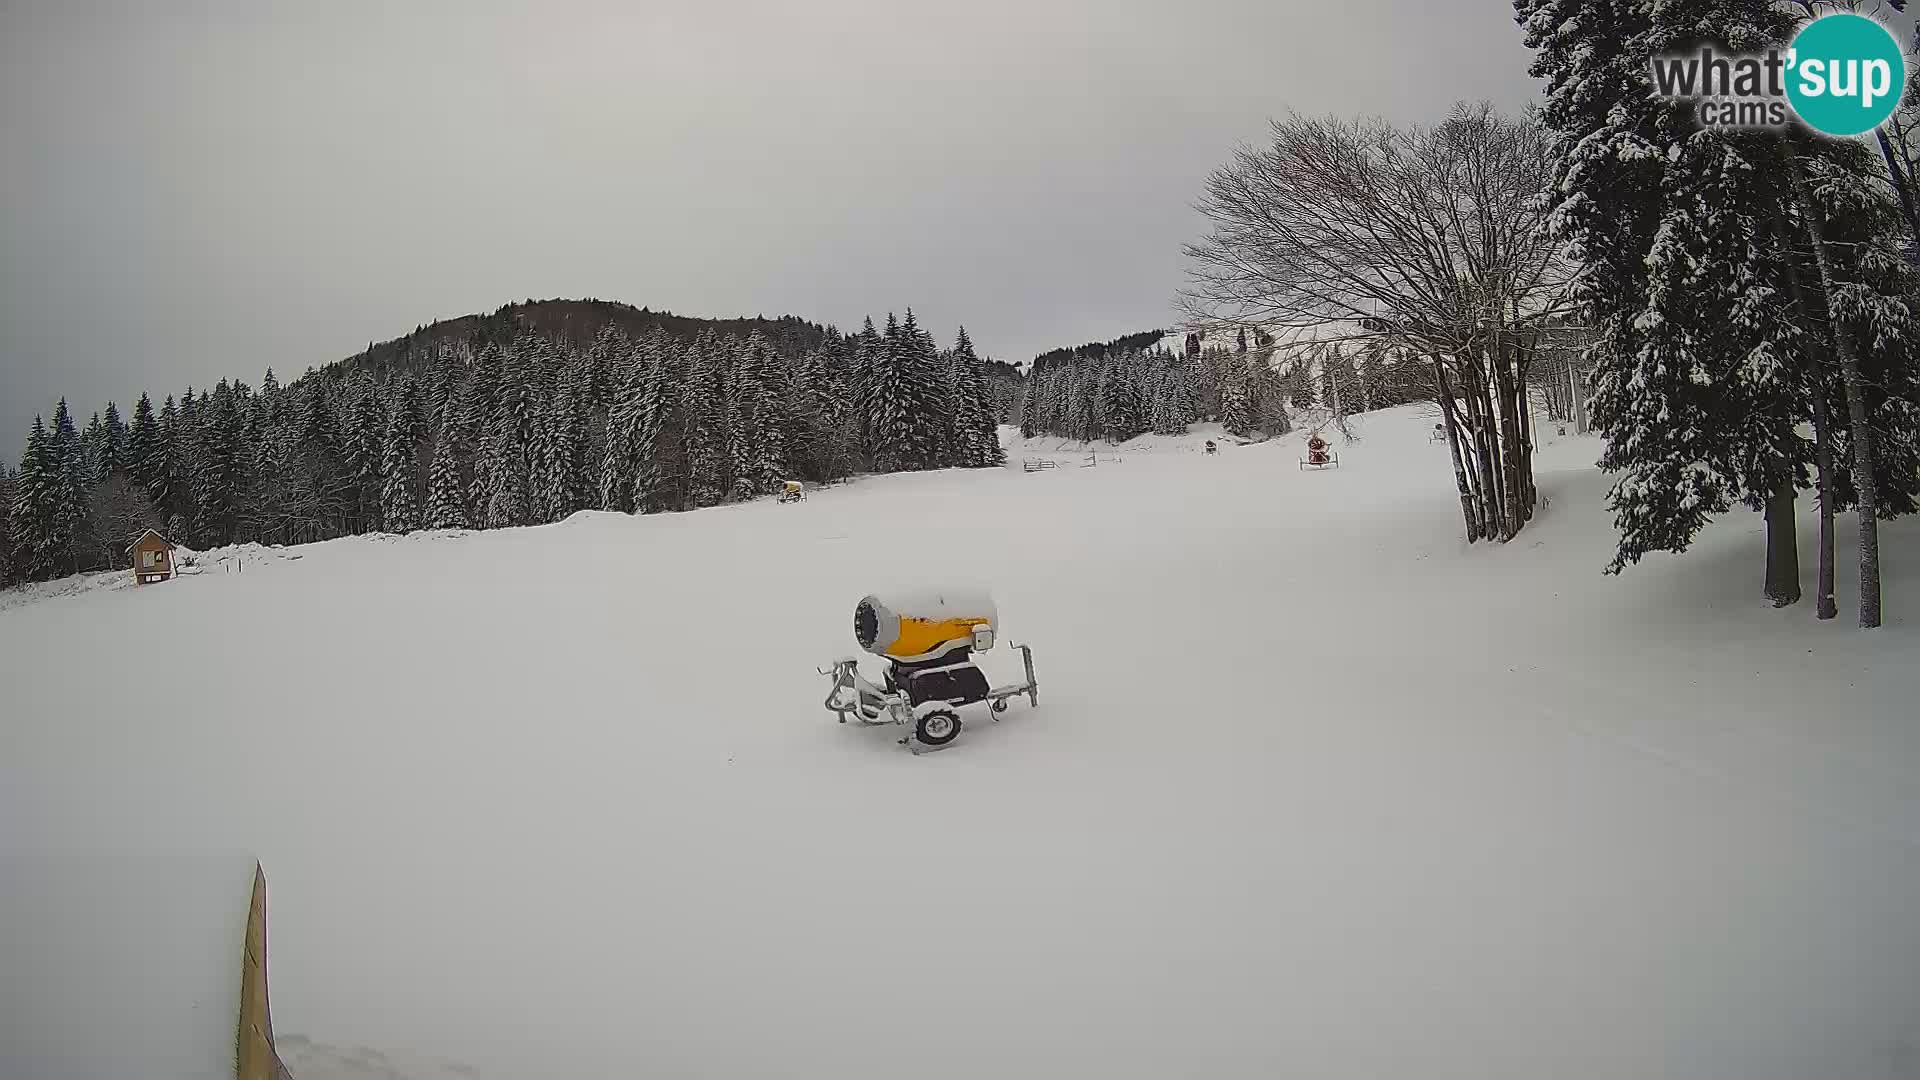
x=914, y=627
x=1318, y=455
x=928, y=639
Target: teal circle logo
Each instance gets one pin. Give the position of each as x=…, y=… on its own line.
x=1845, y=74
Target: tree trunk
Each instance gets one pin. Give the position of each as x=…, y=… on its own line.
x=1513, y=450
x=1783, y=548
x=1579, y=399
x=1529, y=495
x=1520, y=454
x=1855, y=384
x=1902, y=183
x=1492, y=485
x=1494, y=465
x=1823, y=605
x=1469, y=511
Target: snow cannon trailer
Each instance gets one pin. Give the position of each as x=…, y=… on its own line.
x=928, y=641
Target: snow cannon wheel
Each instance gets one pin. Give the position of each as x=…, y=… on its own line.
x=937, y=727
x=999, y=704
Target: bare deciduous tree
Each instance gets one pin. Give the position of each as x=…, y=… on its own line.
x=1430, y=240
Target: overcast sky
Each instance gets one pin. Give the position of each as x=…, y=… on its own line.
x=197, y=190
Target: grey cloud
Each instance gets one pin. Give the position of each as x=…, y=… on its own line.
x=191, y=191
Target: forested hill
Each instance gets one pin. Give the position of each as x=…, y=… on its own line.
x=574, y=323
x=521, y=417
x=1094, y=350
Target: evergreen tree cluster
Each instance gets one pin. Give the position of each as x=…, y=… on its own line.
x=497, y=430
x=1115, y=395
x=1724, y=306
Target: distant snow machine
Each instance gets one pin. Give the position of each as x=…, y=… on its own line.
x=928, y=640
x=1212, y=449
x=1318, y=455
x=791, y=491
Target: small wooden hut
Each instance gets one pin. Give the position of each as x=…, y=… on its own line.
x=152, y=557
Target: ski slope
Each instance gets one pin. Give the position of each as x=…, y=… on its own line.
x=1314, y=789
x=121, y=965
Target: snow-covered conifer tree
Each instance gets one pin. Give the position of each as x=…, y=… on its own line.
x=702, y=422
x=35, y=511
x=762, y=390
x=446, y=494
x=890, y=399
x=545, y=475
x=68, y=519
x=504, y=502
x=919, y=395
x=93, y=450
x=615, y=486
x=7, y=485
x=399, y=505
x=654, y=399
x=1236, y=405
x=1695, y=386
x=976, y=435
x=143, y=439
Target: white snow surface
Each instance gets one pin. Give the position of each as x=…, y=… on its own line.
x=118, y=964
x=938, y=603
x=232, y=559
x=1313, y=789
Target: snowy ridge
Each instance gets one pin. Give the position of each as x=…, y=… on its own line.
x=33, y=592
x=188, y=563
x=233, y=558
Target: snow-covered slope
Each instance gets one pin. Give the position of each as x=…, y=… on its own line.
x=115, y=964
x=1313, y=789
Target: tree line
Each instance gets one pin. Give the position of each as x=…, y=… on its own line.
x=1253, y=388
x=513, y=426
x=1142, y=341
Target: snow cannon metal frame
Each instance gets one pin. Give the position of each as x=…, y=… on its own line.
x=1319, y=455
x=928, y=640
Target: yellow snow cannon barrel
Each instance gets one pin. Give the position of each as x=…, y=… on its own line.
x=911, y=626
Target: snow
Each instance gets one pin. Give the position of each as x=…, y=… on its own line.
x=1313, y=788
x=121, y=965
x=937, y=604
x=35, y=591
x=233, y=559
